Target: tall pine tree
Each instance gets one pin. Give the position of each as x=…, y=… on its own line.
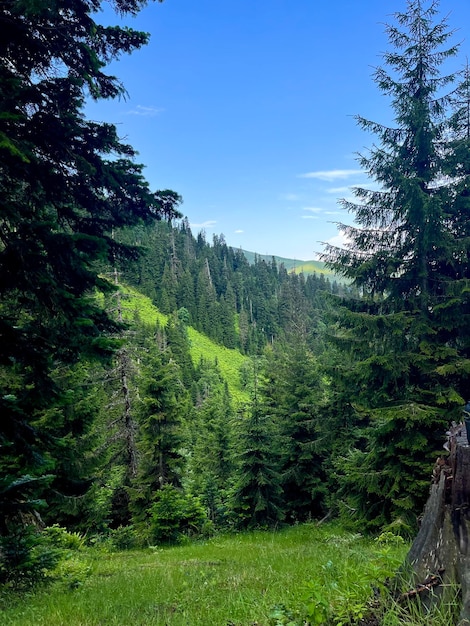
x=408, y=360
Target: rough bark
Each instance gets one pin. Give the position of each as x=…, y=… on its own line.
x=442, y=546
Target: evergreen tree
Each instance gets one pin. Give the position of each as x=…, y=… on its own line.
x=178, y=342
x=408, y=361
x=257, y=494
x=163, y=409
x=66, y=183
x=211, y=456
x=292, y=394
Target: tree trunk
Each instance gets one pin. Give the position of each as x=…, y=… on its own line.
x=442, y=547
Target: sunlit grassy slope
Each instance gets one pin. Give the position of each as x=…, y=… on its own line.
x=293, y=265
x=135, y=305
x=312, y=267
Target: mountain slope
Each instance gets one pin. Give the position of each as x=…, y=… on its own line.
x=229, y=361
x=292, y=265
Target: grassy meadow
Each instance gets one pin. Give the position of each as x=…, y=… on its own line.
x=319, y=573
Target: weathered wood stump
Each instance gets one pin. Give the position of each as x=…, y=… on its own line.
x=442, y=546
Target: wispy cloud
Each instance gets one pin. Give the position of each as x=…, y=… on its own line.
x=238, y=231
x=206, y=224
x=312, y=209
x=334, y=212
x=310, y=217
x=145, y=111
x=290, y=197
x=340, y=240
x=330, y=175
x=339, y=190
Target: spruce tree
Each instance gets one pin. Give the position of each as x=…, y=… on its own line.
x=406, y=361
x=66, y=183
x=164, y=406
x=210, y=466
x=257, y=494
x=292, y=394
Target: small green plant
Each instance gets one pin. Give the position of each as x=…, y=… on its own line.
x=27, y=557
x=60, y=537
x=389, y=538
x=174, y=515
x=316, y=606
x=124, y=538
x=71, y=571
x=282, y=616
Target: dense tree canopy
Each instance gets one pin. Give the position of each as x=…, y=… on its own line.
x=65, y=184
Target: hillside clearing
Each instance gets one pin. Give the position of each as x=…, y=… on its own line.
x=238, y=580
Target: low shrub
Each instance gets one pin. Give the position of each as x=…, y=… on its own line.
x=27, y=557
x=174, y=515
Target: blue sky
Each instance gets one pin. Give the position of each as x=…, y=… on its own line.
x=247, y=110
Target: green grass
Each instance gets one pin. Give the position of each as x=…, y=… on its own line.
x=135, y=304
x=296, y=265
x=229, y=362
x=313, y=267
x=233, y=580
x=290, y=264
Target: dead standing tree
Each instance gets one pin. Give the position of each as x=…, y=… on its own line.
x=441, y=550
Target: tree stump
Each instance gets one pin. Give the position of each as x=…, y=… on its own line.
x=442, y=547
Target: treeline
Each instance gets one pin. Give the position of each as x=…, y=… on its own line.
x=235, y=303
x=150, y=446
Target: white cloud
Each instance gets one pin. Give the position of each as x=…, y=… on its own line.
x=206, y=224
x=339, y=190
x=312, y=209
x=340, y=240
x=145, y=111
x=309, y=217
x=290, y=197
x=238, y=231
x=330, y=175
x=334, y=212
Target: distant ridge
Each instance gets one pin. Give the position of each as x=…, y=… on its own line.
x=292, y=265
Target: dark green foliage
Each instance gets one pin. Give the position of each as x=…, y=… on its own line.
x=178, y=343
x=257, y=500
x=390, y=470
x=405, y=343
x=28, y=557
x=66, y=184
x=292, y=394
x=174, y=515
x=162, y=412
x=211, y=462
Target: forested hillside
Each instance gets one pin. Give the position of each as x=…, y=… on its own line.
x=237, y=303
x=156, y=386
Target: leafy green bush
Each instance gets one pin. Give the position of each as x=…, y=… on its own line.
x=60, y=537
x=71, y=571
x=124, y=538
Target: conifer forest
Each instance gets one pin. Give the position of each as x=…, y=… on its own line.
x=159, y=385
